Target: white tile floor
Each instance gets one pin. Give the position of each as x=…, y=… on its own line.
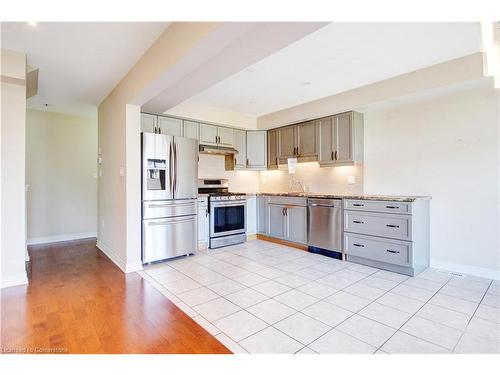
x=260, y=297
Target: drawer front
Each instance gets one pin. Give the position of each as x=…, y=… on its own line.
x=379, y=249
x=383, y=225
x=378, y=206
x=157, y=209
x=293, y=201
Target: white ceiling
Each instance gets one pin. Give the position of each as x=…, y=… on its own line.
x=79, y=63
x=339, y=57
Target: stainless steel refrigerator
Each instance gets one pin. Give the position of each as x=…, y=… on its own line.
x=169, y=196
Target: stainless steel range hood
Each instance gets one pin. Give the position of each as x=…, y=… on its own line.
x=217, y=150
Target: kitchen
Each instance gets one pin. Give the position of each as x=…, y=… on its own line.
x=223, y=199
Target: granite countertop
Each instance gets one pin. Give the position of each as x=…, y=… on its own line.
x=396, y=198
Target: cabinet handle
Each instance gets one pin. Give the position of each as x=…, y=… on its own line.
x=392, y=251
x=392, y=226
x=336, y=155
x=331, y=156
x=286, y=211
x=276, y=161
x=358, y=205
x=358, y=222
x=283, y=211
x=247, y=163
x=206, y=212
x=391, y=207
x=359, y=245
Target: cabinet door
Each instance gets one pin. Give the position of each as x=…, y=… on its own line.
x=306, y=134
x=256, y=149
x=208, y=134
x=225, y=136
x=170, y=126
x=272, y=148
x=148, y=122
x=262, y=215
x=296, y=218
x=191, y=130
x=276, y=221
x=240, y=144
x=326, y=134
x=203, y=225
x=343, y=137
x=286, y=142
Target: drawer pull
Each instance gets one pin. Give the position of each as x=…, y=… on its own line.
x=358, y=205
x=392, y=251
x=358, y=245
x=391, y=207
x=392, y=226
x=358, y=222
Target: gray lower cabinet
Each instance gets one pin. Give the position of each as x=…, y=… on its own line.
x=297, y=223
x=287, y=219
x=262, y=215
x=388, y=235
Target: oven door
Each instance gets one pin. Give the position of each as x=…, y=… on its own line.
x=227, y=218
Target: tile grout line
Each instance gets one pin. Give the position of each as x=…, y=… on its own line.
x=471, y=317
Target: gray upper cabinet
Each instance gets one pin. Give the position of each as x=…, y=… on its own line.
x=240, y=144
x=208, y=134
x=225, y=136
x=256, y=149
x=170, y=126
x=216, y=135
x=307, y=139
x=148, y=123
x=191, y=130
x=272, y=149
x=287, y=142
x=340, y=139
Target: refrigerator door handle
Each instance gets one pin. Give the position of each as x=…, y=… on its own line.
x=175, y=167
x=170, y=170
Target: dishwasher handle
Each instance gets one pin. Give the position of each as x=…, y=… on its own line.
x=321, y=205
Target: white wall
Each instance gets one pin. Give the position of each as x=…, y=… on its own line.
x=212, y=166
x=448, y=148
x=314, y=178
x=61, y=170
x=12, y=136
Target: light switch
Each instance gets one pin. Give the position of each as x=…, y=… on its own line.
x=351, y=180
x=122, y=171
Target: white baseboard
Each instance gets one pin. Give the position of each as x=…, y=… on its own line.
x=60, y=238
x=487, y=273
x=116, y=259
x=14, y=280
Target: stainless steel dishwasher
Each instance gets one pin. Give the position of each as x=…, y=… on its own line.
x=324, y=223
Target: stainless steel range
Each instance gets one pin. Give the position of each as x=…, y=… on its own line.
x=227, y=213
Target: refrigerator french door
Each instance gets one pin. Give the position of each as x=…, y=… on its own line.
x=169, y=196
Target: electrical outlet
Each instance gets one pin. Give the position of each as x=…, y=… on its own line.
x=351, y=180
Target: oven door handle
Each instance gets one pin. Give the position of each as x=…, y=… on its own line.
x=229, y=203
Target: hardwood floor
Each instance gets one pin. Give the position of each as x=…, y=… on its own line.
x=78, y=301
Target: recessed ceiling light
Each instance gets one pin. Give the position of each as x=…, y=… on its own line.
x=251, y=102
x=33, y=24
x=250, y=69
x=306, y=83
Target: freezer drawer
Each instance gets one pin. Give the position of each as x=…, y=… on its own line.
x=178, y=207
x=169, y=237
